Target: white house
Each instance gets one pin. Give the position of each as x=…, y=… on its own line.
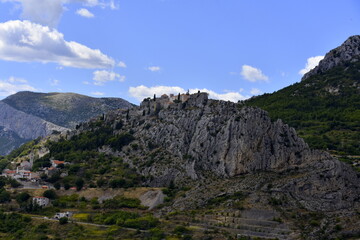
x=62, y=214
x=41, y=201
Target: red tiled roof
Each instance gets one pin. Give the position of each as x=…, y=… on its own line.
x=58, y=162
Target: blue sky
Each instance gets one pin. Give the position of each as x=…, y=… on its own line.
x=134, y=48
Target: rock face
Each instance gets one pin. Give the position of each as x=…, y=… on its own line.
x=348, y=51
x=24, y=125
x=201, y=139
x=8, y=140
x=326, y=185
x=225, y=138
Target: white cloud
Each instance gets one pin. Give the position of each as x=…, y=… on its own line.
x=103, y=76
x=228, y=96
x=154, y=68
x=49, y=12
x=122, y=64
x=85, y=13
x=255, y=91
x=54, y=82
x=17, y=80
x=97, y=93
x=24, y=41
x=311, y=63
x=141, y=92
x=11, y=86
x=253, y=74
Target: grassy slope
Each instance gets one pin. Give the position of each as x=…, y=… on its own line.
x=325, y=120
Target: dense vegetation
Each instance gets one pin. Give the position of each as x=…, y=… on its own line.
x=324, y=109
x=85, y=165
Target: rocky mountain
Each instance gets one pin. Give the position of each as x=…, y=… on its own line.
x=228, y=170
x=348, y=52
x=325, y=106
x=219, y=155
x=28, y=115
x=9, y=139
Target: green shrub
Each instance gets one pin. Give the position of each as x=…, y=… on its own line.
x=63, y=220
x=146, y=222
x=51, y=194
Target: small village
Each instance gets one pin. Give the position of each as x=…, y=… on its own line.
x=32, y=180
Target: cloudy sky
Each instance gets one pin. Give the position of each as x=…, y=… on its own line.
x=233, y=49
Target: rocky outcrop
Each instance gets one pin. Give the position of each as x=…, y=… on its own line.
x=205, y=135
x=201, y=138
x=349, y=51
x=326, y=185
x=25, y=125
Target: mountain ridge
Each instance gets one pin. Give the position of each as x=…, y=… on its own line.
x=325, y=106
x=223, y=152
x=59, y=108
x=29, y=115
x=349, y=51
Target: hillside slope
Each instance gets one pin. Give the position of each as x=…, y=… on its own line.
x=215, y=155
x=325, y=106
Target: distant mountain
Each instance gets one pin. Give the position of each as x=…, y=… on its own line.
x=63, y=109
x=9, y=139
x=325, y=106
x=28, y=115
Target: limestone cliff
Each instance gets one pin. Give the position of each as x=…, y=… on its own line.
x=349, y=51
x=198, y=137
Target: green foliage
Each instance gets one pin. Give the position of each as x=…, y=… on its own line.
x=112, y=218
x=181, y=230
x=325, y=120
x=51, y=194
x=79, y=183
x=145, y=222
x=63, y=220
x=42, y=162
x=12, y=222
x=156, y=234
x=4, y=196
x=3, y=181
x=118, y=141
x=22, y=197
x=13, y=183
x=91, y=140
x=88, y=166
x=23, y=149
x=117, y=183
